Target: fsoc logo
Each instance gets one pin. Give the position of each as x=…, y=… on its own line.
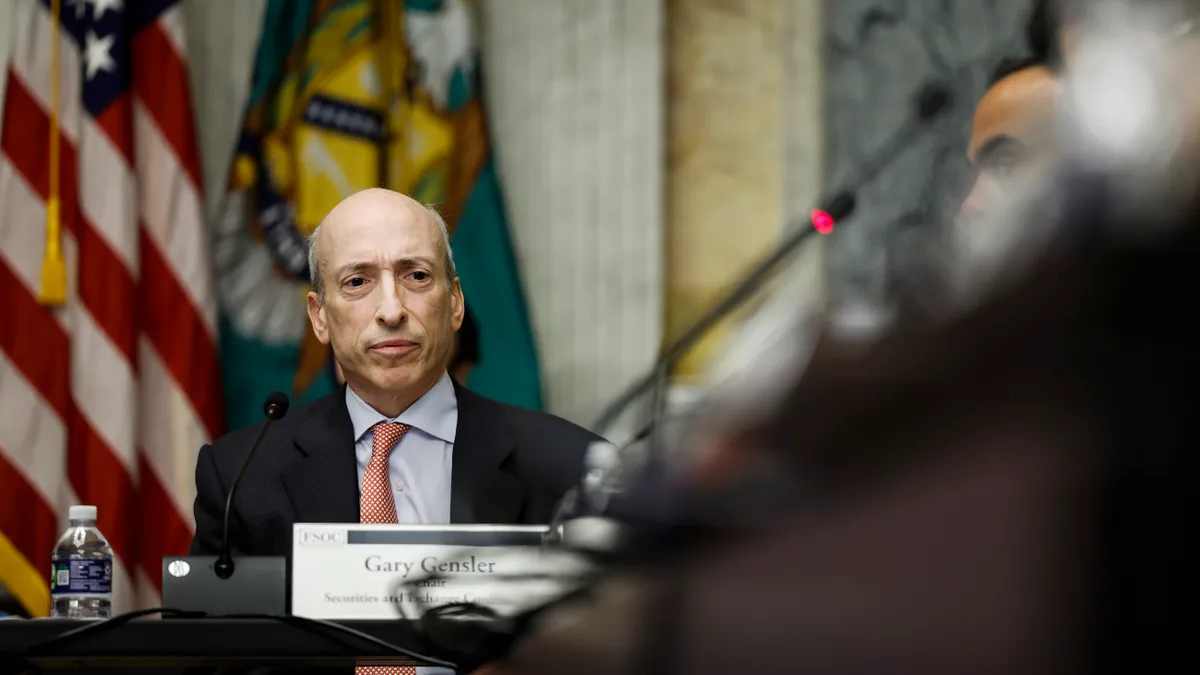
x=322, y=537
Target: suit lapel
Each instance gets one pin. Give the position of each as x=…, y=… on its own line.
x=480, y=490
x=323, y=486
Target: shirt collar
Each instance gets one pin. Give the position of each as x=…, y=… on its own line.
x=435, y=413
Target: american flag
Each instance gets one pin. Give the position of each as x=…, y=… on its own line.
x=106, y=398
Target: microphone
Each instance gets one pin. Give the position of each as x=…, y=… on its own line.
x=274, y=407
x=597, y=485
x=930, y=103
x=603, y=461
x=260, y=588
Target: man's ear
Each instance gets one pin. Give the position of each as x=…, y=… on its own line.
x=458, y=307
x=316, y=314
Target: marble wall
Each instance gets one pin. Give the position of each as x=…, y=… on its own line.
x=745, y=141
x=724, y=184
x=878, y=53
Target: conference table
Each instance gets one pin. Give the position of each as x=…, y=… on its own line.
x=187, y=642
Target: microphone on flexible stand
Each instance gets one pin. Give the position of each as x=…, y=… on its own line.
x=929, y=104
x=261, y=583
x=578, y=518
x=274, y=407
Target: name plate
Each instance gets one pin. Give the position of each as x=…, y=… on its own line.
x=353, y=571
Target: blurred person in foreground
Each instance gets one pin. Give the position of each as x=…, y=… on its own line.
x=402, y=441
x=1002, y=492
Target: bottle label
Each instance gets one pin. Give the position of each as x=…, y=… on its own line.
x=79, y=577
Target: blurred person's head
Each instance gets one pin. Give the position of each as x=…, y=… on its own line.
x=1012, y=131
x=385, y=296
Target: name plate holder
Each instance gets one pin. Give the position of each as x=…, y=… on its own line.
x=355, y=571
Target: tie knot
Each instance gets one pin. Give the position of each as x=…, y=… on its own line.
x=386, y=435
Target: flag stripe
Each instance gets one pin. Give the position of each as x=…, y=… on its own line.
x=179, y=337
x=149, y=595
x=171, y=214
x=172, y=24
x=114, y=122
x=36, y=450
x=29, y=525
x=124, y=597
x=27, y=334
x=107, y=188
x=105, y=388
x=172, y=434
x=22, y=206
x=33, y=525
x=159, y=520
x=105, y=283
x=162, y=86
x=31, y=58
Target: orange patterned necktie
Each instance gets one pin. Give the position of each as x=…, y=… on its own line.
x=377, y=505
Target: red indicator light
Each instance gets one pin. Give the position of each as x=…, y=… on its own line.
x=822, y=221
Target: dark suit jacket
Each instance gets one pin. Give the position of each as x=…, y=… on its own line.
x=511, y=466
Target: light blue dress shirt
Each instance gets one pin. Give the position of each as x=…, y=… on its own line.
x=420, y=465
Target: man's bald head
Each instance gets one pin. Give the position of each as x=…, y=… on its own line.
x=385, y=296
x=374, y=200
x=1022, y=106
x=1013, y=128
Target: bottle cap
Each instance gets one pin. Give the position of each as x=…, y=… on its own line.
x=82, y=513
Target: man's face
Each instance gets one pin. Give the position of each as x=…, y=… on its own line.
x=390, y=312
x=1012, y=131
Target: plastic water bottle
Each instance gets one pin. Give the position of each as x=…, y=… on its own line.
x=82, y=569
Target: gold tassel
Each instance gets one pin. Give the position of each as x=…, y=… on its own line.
x=54, y=268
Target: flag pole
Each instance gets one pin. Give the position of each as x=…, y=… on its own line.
x=54, y=269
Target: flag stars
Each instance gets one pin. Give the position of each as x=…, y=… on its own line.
x=97, y=54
